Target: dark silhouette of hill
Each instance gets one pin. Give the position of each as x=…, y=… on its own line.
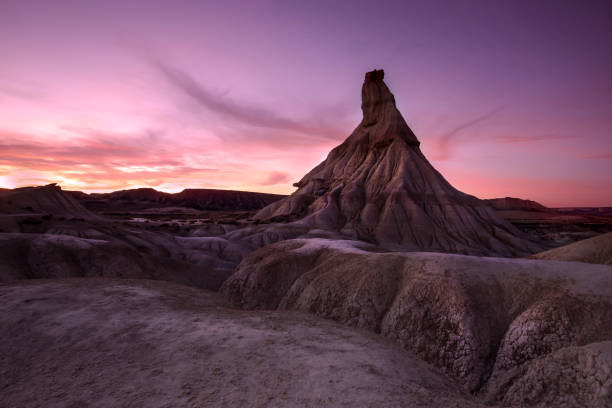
x=49, y=199
x=199, y=199
x=511, y=203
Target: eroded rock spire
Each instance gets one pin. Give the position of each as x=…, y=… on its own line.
x=378, y=107
x=377, y=186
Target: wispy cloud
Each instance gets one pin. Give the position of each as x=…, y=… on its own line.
x=445, y=143
x=599, y=157
x=20, y=90
x=96, y=159
x=87, y=146
x=275, y=177
x=250, y=115
x=531, y=139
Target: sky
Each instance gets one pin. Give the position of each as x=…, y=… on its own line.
x=508, y=98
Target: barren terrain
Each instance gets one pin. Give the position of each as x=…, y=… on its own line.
x=490, y=323
x=375, y=284
x=108, y=343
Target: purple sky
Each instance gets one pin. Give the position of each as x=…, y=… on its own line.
x=508, y=98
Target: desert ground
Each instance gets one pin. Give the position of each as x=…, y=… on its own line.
x=375, y=284
x=108, y=342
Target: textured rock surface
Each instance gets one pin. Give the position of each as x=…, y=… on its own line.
x=593, y=250
x=572, y=376
x=111, y=343
x=480, y=320
x=377, y=186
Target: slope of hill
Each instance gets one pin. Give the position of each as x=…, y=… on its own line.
x=136, y=255
x=596, y=250
x=511, y=203
x=496, y=325
x=49, y=199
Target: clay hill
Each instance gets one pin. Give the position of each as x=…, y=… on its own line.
x=511, y=203
x=198, y=199
x=378, y=186
x=46, y=233
x=515, y=332
x=44, y=200
x=593, y=250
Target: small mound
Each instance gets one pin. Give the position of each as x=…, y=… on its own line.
x=49, y=199
x=514, y=204
x=597, y=250
x=45, y=256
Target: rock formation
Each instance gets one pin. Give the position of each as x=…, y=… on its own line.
x=377, y=186
x=493, y=324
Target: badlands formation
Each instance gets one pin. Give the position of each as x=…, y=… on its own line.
x=46, y=233
x=513, y=331
x=375, y=284
x=377, y=186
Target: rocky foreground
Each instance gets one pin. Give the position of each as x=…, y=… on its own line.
x=513, y=331
x=124, y=343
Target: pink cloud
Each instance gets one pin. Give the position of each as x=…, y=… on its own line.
x=530, y=139
x=599, y=157
x=446, y=142
x=549, y=191
x=94, y=160
x=275, y=177
x=250, y=115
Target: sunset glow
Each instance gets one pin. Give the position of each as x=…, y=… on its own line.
x=102, y=96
